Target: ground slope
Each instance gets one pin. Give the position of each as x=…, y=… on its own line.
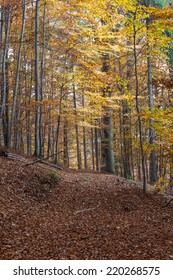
x=69, y=215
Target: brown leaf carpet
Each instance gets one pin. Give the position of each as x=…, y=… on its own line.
x=50, y=214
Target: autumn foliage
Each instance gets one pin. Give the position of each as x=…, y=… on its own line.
x=90, y=83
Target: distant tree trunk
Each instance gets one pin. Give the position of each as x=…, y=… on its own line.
x=21, y=146
x=131, y=148
x=146, y=168
x=37, y=80
x=84, y=138
x=43, y=53
x=126, y=140
x=58, y=125
x=84, y=148
x=107, y=121
x=51, y=135
x=28, y=114
x=28, y=133
x=57, y=138
x=92, y=149
x=121, y=144
x=18, y=115
x=126, y=118
x=42, y=84
x=52, y=140
x=153, y=154
x=96, y=149
x=49, y=138
x=77, y=130
x=66, y=154
x=137, y=105
x=170, y=55
x=6, y=110
x=108, y=143
x=138, y=160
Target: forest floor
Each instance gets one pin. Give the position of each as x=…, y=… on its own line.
x=47, y=213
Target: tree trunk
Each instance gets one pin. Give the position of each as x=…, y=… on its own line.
x=96, y=149
x=42, y=84
x=15, y=90
x=126, y=140
x=92, y=149
x=137, y=106
x=58, y=124
x=66, y=155
x=108, y=143
x=84, y=138
x=107, y=146
x=1, y=70
x=153, y=154
x=77, y=130
x=6, y=110
x=37, y=87
x=4, y=98
x=28, y=114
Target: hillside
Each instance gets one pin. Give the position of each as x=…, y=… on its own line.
x=46, y=213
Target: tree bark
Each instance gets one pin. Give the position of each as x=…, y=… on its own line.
x=107, y=121
x=66, y=153
x=42, y=84
x=77, y=130
x=92, y=149
x=15, y=90
x=84, y=138
x=137, y=105
x=96, y=149
x=1, y=70
x=153, y=154
x=5, y=27
x=37, y=86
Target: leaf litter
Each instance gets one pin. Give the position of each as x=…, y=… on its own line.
x=50, y=214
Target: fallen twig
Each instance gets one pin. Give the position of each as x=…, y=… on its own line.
x=51, y=164
x=85, y=210
x=42, y=159
x=72, y=182
x=169, y=202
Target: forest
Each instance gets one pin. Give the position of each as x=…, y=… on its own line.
x=89, y=85
x=86, y=130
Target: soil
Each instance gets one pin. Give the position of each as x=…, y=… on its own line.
x=46, y=213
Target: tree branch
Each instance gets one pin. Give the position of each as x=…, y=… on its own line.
x=42, y=161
